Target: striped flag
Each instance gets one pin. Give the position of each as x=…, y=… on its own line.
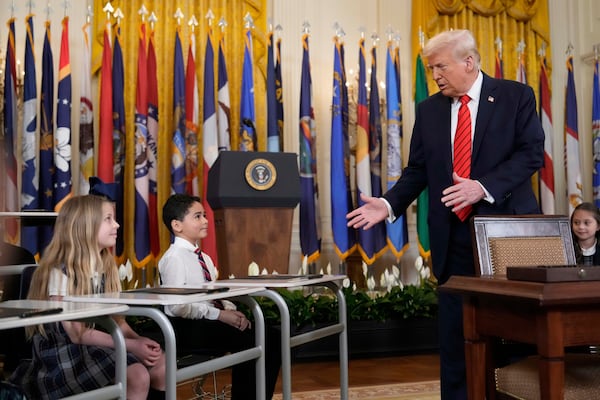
x=421, y=93
x=152, y=150
x=272, y=128
x=310, y=235
x=105, y=137
x=344, y=237
x=573, y=165
x=375, y=140
x=62, y=147
x=366, y=238
x=86, y=114
x=279, y=92
x=397, y=232
x=118, y=138
x=247, y=113
x=547, y=171
x=29, y=146
x=210, y=143
x=46, y=137
x=596, y=133
x=10, y=134
x=224, y=110
x=178, y=142
x=191, y=121
x=141, y=181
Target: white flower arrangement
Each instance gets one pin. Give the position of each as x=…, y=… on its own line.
x=126, y=275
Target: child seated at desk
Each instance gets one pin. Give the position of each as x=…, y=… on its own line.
x=73, y=357
x=215, y=327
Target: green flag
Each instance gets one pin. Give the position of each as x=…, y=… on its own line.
x=421, y=93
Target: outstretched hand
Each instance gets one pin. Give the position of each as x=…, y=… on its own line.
x=372, y=212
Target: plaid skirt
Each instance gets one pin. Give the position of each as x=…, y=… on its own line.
x=61, y=368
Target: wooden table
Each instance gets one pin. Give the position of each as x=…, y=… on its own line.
x=549, y=315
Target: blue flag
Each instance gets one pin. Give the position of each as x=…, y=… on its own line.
x=596, y=133
x=118, y=106
x=310, y=237
x=62, y=138
x=375, y=140
x=247, y=117
x=142, y=154
x=178, y=144
x=573, y=165
x=10, y=134
x=279, y=93
x=46, y=137
x=29, y=173
x=272, y=128
x=344, y=237
x=397, y=232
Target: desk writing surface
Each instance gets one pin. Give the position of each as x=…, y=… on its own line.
x=540, y=293
x=71, y=311
x=150, y=299
x=279, y=283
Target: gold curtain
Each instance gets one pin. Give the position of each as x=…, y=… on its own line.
x=165, y=28
x=509, y=20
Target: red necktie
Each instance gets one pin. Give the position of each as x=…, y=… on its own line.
x=207, y=276
x=217, y=303
x=462, y=148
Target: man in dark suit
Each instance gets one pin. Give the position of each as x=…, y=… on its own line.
x=504, y=148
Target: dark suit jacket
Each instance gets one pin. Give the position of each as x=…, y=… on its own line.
x=508, y=147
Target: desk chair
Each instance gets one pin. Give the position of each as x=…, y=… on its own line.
x=531, y=240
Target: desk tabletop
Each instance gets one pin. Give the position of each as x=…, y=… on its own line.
x=28, y=214
x=300, y=280
x=541, y=293
x=71, y=311
x=153, y=299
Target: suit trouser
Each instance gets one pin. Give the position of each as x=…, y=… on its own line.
x=459, y=261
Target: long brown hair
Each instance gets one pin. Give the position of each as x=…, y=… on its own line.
x=74, y=247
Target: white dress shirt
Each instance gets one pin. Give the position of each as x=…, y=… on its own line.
x=179, y=266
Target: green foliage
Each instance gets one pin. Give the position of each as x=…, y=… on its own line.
x=399, y=303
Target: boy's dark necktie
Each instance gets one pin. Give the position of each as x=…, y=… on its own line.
x=462, y=148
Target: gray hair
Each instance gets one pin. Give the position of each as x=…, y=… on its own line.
x=461, y=41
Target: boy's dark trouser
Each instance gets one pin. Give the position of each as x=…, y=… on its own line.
x=212, y=337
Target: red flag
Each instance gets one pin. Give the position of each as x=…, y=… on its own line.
x=191, y=121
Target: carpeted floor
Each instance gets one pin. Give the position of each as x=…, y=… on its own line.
x=429, y=390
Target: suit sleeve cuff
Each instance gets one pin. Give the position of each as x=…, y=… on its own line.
x=391, y=217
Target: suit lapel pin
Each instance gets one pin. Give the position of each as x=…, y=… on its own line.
x=490, y=99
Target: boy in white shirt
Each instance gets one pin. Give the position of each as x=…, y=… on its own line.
x=215, y=327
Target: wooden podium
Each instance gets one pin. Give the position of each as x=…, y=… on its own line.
x=253, y=196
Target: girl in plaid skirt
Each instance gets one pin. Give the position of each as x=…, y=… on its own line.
x=73, y=357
